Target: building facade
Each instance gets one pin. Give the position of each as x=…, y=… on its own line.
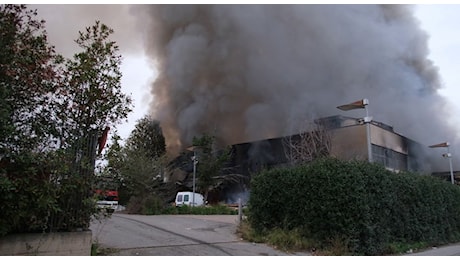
x=390, y=149
x=348, y=141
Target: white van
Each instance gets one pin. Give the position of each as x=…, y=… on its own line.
x=186, y=197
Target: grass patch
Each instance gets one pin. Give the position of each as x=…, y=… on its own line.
x=200, y=210
x=247, y=233
x=403, y=248
x=337, y=246
x=287, y=241
x=293, y=241
x=97, y=250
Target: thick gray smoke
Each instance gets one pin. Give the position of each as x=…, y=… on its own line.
x=249, y=72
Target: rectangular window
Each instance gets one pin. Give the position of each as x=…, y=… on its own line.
x=179, y=198
x=389, y=158
x=186, y=198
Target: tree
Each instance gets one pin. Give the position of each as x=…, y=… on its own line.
x=29, y=80
x=29, y=84
x=114, y=157
x=210, y=162
x=51, y=114
x=311, y=143
x=141, y=160
x=110, y=172
x=147, y=137
x=94, y=80
x=93, y=102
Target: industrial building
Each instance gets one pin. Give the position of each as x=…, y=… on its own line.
x=348, y=141
x=347, y=138
x=390, y=149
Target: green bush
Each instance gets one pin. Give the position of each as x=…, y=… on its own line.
x=200, y=210
x=41, y=195
x=368, y=207
x=149, y=204
x=27, y=198
x=152, y=205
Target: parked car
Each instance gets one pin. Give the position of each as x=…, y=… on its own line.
x=186, y=198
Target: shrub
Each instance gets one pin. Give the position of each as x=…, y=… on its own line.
x=152, y=205
x=52, y=116
x=146, y=205
x=200, y=210
x=41, y=195
x=363, y=204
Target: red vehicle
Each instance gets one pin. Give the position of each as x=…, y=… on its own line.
x=108, y=200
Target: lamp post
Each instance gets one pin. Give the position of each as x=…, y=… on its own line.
x=195, y=162
x=448, y=155
x=363, y=103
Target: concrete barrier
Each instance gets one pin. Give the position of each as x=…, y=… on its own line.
x=50, y=244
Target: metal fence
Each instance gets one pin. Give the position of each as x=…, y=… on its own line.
x=74, y=190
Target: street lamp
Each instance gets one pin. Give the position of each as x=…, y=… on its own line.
x=448, y=155
x=195, y=162
x=363, y=103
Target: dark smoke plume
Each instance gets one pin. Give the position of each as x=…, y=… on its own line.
x=249, y=72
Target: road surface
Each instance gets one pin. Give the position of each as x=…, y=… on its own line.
x=176, y=235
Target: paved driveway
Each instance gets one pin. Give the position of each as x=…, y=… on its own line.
x=176, y=235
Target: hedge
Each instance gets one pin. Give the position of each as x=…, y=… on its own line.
x=364, y=205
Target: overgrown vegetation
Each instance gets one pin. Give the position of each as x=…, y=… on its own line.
x=154, y=206
x=52, y=114
x=201, y=210
x=137, y=167
x=353, y=208
x=210, y=162
x=98, y=250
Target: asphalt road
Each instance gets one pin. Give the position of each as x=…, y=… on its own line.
x=176, y=235
x=448, y=250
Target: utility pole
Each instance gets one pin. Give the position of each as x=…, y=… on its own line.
x=446, y=155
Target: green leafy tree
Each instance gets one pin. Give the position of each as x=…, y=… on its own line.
x=93, y=89
x=210, y=162
x=140, y=162
x=144, y=148
x=94, y=102
x=147, y=137
x=51, y=114
x=109, y=175
x=29, y=84
x=114, y=157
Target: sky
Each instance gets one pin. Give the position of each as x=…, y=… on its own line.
x=441, y=22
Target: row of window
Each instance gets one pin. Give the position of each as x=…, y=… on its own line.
x=389, y=158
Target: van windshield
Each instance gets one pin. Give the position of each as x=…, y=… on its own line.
x=179, y=198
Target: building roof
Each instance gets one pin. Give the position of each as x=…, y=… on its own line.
x=339, y=121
